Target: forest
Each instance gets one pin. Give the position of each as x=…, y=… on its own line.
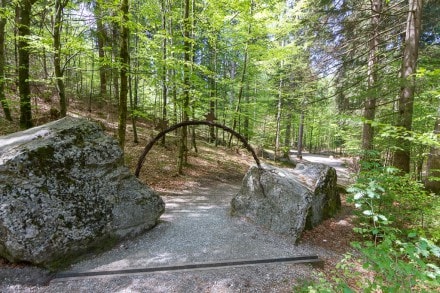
x=350, y=78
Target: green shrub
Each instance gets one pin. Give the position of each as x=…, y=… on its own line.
x=396, y=218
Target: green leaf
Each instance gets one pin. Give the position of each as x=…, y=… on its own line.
x=346, y=289
x=358, y=195
x=383, y=218
x=412, y=235
x=368, y=212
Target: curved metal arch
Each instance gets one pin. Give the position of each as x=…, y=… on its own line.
x=189, y=123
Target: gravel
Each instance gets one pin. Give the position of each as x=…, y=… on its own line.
x=196, y=228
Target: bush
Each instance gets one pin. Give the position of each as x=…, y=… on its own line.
x=396, y=217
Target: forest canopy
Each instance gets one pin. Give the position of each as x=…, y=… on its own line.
x=353, y=77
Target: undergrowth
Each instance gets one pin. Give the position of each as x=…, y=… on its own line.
x=398, y=251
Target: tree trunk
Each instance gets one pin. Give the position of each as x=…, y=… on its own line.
x=287, y=136
x=24, y=17
x=3, y=100
x=246, y=122
x=278, y=119
x=243, y=75
x=186, y=87
x=101, y=37
x=115, y=72
x=300, y=136
x=125, y=63
x=370, y=103
x=91, y=85
x=240, y=93
x=213, y=93
x=59, y=74
x=432, y=181
x=132, y=112
x=164, y=67
x=134, y=91
x=408, y=71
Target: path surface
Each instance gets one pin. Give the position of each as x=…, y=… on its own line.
x=195, y=228
x=342, y=171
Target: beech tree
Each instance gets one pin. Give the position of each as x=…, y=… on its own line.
x=3, y=100
x=101, y=36
x=24, y=10
x=59, y=71
x=125, y=65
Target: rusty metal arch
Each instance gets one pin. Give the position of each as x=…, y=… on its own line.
x=192, y=123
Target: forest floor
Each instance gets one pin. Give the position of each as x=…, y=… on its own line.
x=210, y=165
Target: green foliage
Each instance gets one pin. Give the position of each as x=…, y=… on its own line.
x=391, y=208
x=395, y=254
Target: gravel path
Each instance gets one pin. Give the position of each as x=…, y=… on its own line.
x=196, y=228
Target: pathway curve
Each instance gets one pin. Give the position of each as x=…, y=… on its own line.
x=195, y=228
x=340, y=165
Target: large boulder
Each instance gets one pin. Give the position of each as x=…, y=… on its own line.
x=285, y=200
x=322, y=181
x=64, y=190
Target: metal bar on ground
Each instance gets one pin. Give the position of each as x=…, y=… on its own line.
x=196, y=266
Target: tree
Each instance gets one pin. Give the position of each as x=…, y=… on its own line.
x=164, y=6
x=408, y=71
x=370, y=103
x=59, y=72
x=432, y=181
x=125, y=64
x=243, y=72
x=24, y=10
x=186, y=86
x=101, y=41
x=3, y=100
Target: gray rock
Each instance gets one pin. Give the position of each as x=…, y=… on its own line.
x=287, y=200
x=64, y=191
x=322, y=181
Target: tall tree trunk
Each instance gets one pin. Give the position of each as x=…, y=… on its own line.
x=301, y=136
x=193, y=61
x=408, y=71
x=240, y=92
x=186, y=86
x=59, y=73
x=3, y=100
x=164, y=67
x=91, y=85
x=212, y=91
x=17, y=22
x=370, y=103
x=133, y=109
x=243, y=76
x=24, y=30
x=288, y=134
x=432, y=181
x=134, y=90
x=115, y=72
x=101, y=40
x=278, y=118
x=125, y=63
x=246, y=124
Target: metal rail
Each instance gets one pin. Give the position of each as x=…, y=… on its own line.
x=313, y=259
